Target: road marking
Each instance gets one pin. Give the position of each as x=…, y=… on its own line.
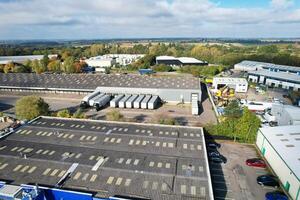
x=93, y=178
x=84, y=178
x=94, y=138
x=71, y=136
x=119, y=181
x=28, y=150
x=61, y=173
x=17, y=168
x=3, y=166
x=54, y=172
x=77, y=175
x=24, y=168
x=49, y=134
x=30, y=131
x=3, y=147
x=46, y=171
x=32, y=169
x=98, y=164
x=78, y=155
x=39, y=133
x=110, y=180
x=15, y=148
x=82, y=137
x=51, y=153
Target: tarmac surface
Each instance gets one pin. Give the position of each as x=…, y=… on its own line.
x=157, y=162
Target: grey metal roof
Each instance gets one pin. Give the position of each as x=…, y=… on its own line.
x=158, y=162
x=265, y=65
x=21, y=59
x=285, y=141
x=92, y=81
x=277, y=75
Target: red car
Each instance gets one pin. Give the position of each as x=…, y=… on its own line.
x=256, y=162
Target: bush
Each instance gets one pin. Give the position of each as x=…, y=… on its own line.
x=65, y=113
x=114, y=116
x=79, y=114
x=163, y=119
x=162, y=68
x=30, y=107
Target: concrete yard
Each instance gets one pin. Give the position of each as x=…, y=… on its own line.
x=234, y=179
x=157, y=162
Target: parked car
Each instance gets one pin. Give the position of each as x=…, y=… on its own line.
x=216, y=159
x=213, y=145
x=213, y=153
x=277, y=195
x=256, y=162
x=268, y=180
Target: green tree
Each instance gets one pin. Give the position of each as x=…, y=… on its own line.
x=45, y=61
x=29, y=107
x=65, y=113
x=68, y=65
x=233, y=110
x=54, y=66
x=37, y=67
x=9, y=67
x=97, y=49
x=162, y=68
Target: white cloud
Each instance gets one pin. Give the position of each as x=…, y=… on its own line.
x=139, y=18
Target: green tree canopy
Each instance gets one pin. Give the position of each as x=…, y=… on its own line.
x=29, y=107
x=233, y=110
x=64, y=113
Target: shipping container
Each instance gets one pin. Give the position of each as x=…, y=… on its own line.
x=138, y=101
x=115, y=101
x=92, y=101
x=123, y=100
x=144, y=103
x=85, y=100
x=100, y=103
x=129, y=102
x=153, y=102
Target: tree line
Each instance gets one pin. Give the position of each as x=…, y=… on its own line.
x=222, y=55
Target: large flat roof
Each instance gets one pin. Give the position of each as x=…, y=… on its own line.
x=230, y=80
x=183, y=60
x=265, y=65
x=92, y=81
x=153, y=161
x=21, y=59
x=277, y=75
x=286, y=142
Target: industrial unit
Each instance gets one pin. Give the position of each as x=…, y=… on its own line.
x=255, y=66
x=285, y=114
x=102, y=63
x=289, y=81
x=169, y=89
x=181, y=61
x=109, y=158
x=238, y=84
x=22, y=59
x=280, y=146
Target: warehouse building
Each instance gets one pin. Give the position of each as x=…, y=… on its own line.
x=285, y=114
x=22, y=59
x=102, y=63
x=275, y=79
x=108, y=159
x=280, y=146
x=238, y=84
x=169, y=89
x=179, y=62
x=255, y=66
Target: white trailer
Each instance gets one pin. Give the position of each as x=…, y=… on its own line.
x=129, y=102
x=195, y=104
x=115, y=101
x=92, y=101
x=100, y=103
x=138, y=101
x=152, y=104
x=145, y=101
x=123, y=100
x=85, y=100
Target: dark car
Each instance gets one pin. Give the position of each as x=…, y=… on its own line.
x=213, y=153
x=216, y=159
x=213, y=145
x=277, y=195
x=268, y=180
x=256, y=162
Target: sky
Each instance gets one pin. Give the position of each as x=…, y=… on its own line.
x=106, y=19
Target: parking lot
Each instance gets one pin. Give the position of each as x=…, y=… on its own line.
x=234, y=179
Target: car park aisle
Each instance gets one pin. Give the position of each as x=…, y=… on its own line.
x=234, y=179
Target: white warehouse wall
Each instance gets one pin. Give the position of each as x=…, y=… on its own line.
x=278, y=165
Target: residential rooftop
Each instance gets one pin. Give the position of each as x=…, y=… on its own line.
x=286, y=141
x=92, y=81
x=152, y=161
